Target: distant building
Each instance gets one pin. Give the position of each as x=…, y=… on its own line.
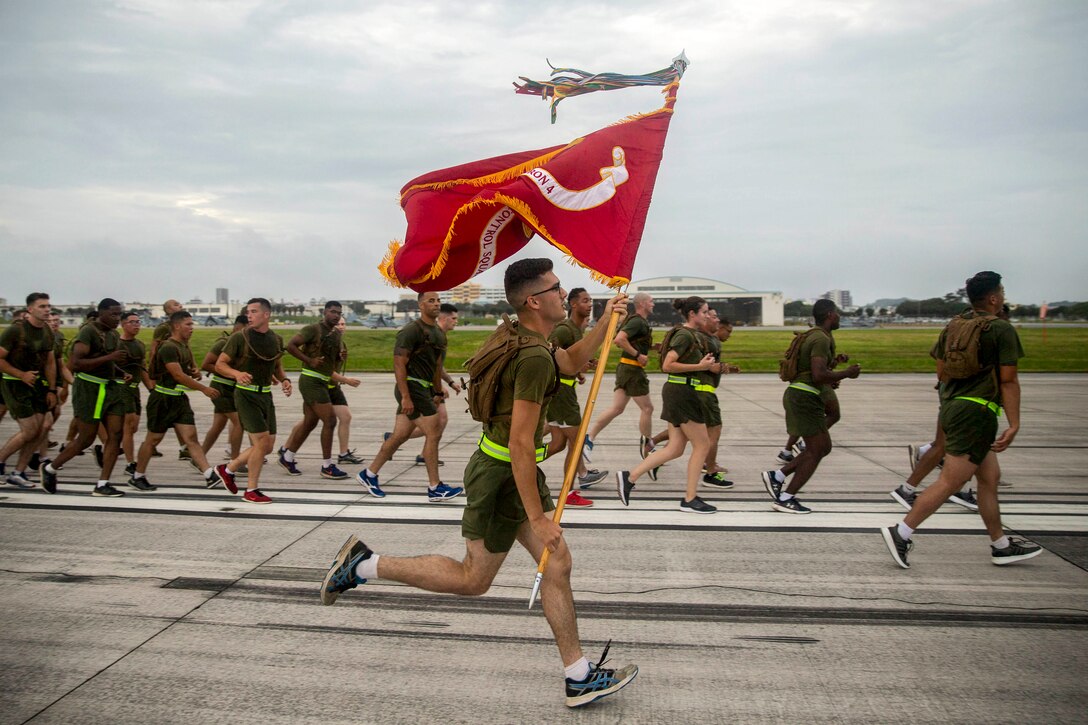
x=741, y=306
x=472, y=292
x=222, y=295
x=841, y=298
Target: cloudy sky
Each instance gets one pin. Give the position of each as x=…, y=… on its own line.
x=163, y=148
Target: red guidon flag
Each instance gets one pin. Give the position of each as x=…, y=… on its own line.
x=588, y=198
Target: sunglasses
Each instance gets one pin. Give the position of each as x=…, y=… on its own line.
x=554, y=288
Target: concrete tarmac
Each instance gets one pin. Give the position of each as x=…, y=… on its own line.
x=187, y=605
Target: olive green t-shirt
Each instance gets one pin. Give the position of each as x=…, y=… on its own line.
x=135, y=361
x=172, y=351
x=100, y=342
x=320, y=340
x=27, y=346
x=639, y=334
x=219, y=344
x=563, y=335
x=688, y=345
x=714, y=346
x=255, y=353
x=817, y=343
x=426, y=348
x=998, y=345
x=530, y=375
x=161, y=333
x=58, y=352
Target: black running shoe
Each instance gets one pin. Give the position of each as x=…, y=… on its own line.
x=904, y=497
x=130, y=468
x=966, y=499
x=599, y=683
x=624, y=486
x=717, y=480
x=35, y=461
x=107, y=490
x=1017, y=550
x=772, y=484
x=652, y=473
x=793, y=506
x=98, y=454
x=421, y=461
x=183, y=454
x=914, y=455
x=141, y=484
x=49, y=480
x=349, y=457
x=897, y=545
x=697, y=506
x=213, y=480
x=341, y=575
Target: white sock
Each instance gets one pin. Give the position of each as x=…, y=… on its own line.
x=909, y=488
x=371, y=474
x=326, y=462
x=367, y=568
x=1001, y=543
x=905, y=532
x=138, y=474
x=784, y=497
x=49, y=467
x=577, y=671
x=922, y=450
x=208, y=473
x=102, y=483
x=289, y=456
x=779, y=476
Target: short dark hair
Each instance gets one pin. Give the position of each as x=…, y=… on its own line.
x=333, y=303
x=981, y=285
x=573, y=294
x=107, y=302
x=821, y=309
x=178, y=316
x=264, y=303
x=34, y=297
x=520, y=274
x=687, y=305
x=126, y=315
x=447, y=309
x=726, y=322
x=242, y=319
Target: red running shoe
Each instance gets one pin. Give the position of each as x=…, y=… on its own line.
x=255, y=496
x=227, y=477
x=575, y=499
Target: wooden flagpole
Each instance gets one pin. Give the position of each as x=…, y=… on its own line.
x=572, y=469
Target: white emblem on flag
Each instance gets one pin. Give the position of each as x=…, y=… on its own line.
x=575, y=200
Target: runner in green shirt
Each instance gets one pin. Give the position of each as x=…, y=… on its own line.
x=252, y=359
x=223, y=406
x=96, y=395
x=135, y=368
x=508, y=498
x=970, y=408
x=717, y=331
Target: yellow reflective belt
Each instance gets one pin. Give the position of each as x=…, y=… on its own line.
x=705, y=388
x=502, y=453
x=101, y=383
x=681, y=380
x=568, y=381
x=806, y=387
x=134, y=385
x=255, y=388
x=629, y=361
x=222, y=381
x=12, y=377
x=994, y=407
x=424, y=383
x=319, y=376
x=169, y=391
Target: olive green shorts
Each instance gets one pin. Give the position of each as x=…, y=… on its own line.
x=804, y=412
x=256, y=411
x=493, y=509
x=131, y=395
x=336, y=395
x=315, y=391
x=680, y=404
x=563, y=410
x=422, y=399
x=85, y=395
x=224, y=404
x=632, y=380
x=24, y=401
x=713, y=410
x=165, y=411
x=969, y=429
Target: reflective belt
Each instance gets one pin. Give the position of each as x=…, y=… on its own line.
x=629, y=361
x=169, y=391
x=983, y=402
x=705, y=388
x=134, y=385
x=568, y=381
x=319, y=376
x=222, y=381
x=502, y=453
x=12, y=377
x=806, y=387
x=255, y=388
x=101, y=383
x=424, y=383
x=681, y=380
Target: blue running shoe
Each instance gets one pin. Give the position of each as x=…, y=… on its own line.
x=289, y=466
x=341, y=575
x=442, y=492
x=332, y=472
x=371, y=483
x=599, y=683
x=587, y=450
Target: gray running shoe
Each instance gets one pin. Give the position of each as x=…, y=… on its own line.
x=904, y=497
x=965, y=498
x=697, y=506
x=141, y=484
x=19, y=480
x=897, y=545
x=592, y=476
x=785, y=456
x=1017, y=550
x=341, y=575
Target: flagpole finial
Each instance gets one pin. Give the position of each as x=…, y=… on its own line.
x=680, y=63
